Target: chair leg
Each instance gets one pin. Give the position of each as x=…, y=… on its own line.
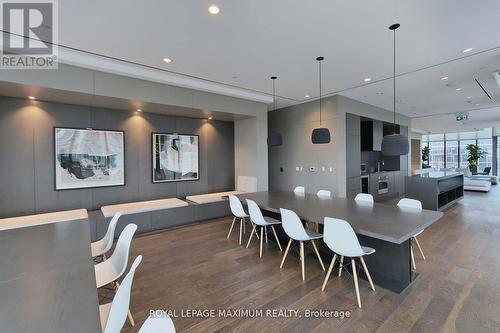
x=418, y=245
x=367, y=273
x=251, y=234
x=317, y=253
x=302, y=261
x=355, y=276
x=329, y=272
x=276, y=236
x=244, y=226
x=412, y=258
x=265, y=231
x=231, y=229
x=286, y=252
x=261, y=239
x=241, y=229
x=341, y=265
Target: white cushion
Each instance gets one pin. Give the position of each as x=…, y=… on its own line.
x=246, y=184
x=37, y=219
x=142, y=206
x=476, y=185
x=211, y=197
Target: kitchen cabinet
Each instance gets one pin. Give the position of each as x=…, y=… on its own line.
x=372, y=133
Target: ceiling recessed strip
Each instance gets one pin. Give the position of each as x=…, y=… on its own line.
x=479, y=84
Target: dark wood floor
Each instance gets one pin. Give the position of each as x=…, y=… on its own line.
x=195, y=267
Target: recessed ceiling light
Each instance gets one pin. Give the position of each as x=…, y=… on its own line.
x=139, y=110
x=367, y=79
x=458, y=89
x=214, y=10
x=31, y=97
x=477, y=104
x=444, y=78
x=167, y=60
x=306, y=96
x=209, y=118
x=468, y=97
x=468, y=50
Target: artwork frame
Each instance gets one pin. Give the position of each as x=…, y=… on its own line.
x=154, y=178
x=62, y=183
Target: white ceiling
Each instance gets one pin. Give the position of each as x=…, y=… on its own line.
x=251, y=40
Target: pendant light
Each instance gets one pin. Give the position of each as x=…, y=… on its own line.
x=395, y=144
x=274, y=139
x=320, y=135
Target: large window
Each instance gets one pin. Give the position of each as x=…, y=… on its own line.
x=487, y=161
x=436, y=155
x=450, y=150
x=464, y=154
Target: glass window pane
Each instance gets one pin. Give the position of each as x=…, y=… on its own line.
x=486, y=145
x=467, y=135
x=436, y=155
x=464, y=154
x=436, y=137
x=452, y=154
x=485, y=133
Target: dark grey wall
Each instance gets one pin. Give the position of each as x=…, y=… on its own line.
x=27, y=156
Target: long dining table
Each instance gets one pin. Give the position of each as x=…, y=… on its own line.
x=386, y=228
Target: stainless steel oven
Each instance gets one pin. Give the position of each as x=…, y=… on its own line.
x=383, y=184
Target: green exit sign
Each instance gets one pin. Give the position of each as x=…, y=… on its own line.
x=462, y=116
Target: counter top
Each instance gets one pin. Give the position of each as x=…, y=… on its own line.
x=439, y=174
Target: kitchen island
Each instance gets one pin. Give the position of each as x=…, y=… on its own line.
x=436, y=190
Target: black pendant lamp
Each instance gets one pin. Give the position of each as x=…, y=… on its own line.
x=274, y=139
x=320, y=135
x=395, y=144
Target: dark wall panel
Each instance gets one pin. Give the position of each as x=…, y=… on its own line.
x=27, y=157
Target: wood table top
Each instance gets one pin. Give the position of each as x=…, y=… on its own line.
x=381, y=221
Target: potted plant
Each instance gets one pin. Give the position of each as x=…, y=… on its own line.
x=425, y=157
x=475, y=153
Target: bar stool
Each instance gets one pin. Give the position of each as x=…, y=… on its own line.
x=415, y=205
x=238, y=212
x=341, y=239
x=296, y=231
x=263, y=221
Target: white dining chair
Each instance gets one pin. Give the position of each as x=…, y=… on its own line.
x=299, y=190
x=324, y=194
x=342, y=240
x=295, y=230
x=158, y=325
x=263, y=222
x=114, y=314
x=416, y=206
x=238, y=213
x=364, y=198
x=102, y=246
x=110, y=270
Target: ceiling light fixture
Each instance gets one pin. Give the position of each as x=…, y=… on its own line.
x=214, y=10
x=275, y=139
x=320, y=135
x=444, y=78
x=31, y=97
x=395, y=144
x=167, y=60
x=458, y=89
x=139, y=110
x=468, y=50
x=477, y=104
x=468, y=97
x=209, y=118
x=367, y=79
x=306, y=96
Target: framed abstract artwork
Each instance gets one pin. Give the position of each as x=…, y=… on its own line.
x=175, y=157
x=87, y=158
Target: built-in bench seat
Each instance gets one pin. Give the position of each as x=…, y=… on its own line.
x=142, y=206
x=211, y=197
x=38, y=219
x=476, y=185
